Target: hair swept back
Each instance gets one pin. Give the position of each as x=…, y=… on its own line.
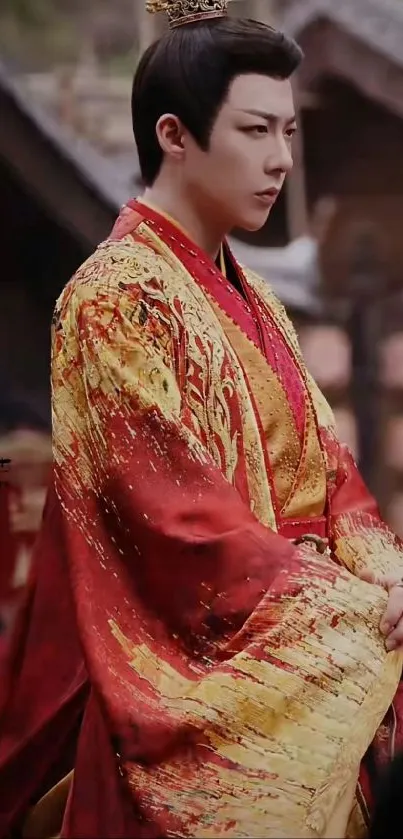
x=188, y=72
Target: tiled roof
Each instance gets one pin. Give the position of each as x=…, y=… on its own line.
x=378, y=23
x=110, y=181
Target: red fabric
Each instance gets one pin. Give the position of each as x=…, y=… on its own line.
x=209, y=540
x=90, y=812
x=45, y=679
x=248, y=312
x=296, y=528
x=178, y=520
x=47, y=676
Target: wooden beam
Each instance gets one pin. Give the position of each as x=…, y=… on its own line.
x=297, y=210
x=52, y=179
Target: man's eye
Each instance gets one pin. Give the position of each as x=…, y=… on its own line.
x=291, y=132
x=256, y=129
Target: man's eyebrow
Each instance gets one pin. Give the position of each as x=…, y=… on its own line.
x=266, y=115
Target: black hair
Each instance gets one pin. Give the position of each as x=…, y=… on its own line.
x=189, y=71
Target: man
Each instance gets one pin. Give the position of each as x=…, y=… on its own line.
x=201, y=653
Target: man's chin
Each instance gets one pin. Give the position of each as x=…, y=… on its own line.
x=253, y=223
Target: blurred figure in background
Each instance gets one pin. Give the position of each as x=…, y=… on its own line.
x=26, y=448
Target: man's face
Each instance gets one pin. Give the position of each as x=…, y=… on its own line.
x=238, y=179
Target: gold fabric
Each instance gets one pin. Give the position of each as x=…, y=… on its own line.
x=289, y=717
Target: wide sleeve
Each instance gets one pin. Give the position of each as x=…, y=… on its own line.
x=360, y=537
x=140, y=492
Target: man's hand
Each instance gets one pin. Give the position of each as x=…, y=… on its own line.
x=391, y=624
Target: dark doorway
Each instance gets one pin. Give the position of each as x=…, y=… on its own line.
x=38, y=258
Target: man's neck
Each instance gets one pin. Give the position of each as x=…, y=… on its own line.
x=184, y=214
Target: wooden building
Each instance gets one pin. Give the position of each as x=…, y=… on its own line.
x=58, y=199
x=350, y=95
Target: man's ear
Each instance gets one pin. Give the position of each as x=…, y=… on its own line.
x=170, y=136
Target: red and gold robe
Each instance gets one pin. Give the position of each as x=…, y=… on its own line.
x=196, y=643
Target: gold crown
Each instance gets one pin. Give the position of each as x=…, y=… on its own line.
x=180, y=12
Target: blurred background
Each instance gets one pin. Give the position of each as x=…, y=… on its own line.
x=333, y=249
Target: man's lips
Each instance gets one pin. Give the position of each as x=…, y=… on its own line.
x=272, y=192
x=268, y=196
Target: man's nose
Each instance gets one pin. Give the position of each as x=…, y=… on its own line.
x=280, y=158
